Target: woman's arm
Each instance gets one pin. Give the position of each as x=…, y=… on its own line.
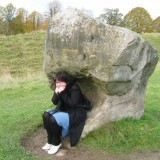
x=55, y=98
x=71, y=99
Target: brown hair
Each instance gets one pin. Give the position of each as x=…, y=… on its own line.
x=64, y=76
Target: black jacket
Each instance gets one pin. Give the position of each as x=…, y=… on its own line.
x=71, y=101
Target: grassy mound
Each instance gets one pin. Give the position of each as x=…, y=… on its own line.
x=22, y=54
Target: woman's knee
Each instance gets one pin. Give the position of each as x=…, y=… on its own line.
x=46, y=115
x=53, y=123
x=52, y=120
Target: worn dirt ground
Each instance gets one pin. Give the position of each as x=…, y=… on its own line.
x=34, y=142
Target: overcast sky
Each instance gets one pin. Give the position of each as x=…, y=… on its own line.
x=97, y=6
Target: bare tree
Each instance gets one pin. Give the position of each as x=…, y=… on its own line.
x=8, y=12
x=53, y=8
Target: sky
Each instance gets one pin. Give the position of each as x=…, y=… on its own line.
x=97, y=6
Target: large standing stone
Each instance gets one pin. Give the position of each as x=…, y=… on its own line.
x=112, y=64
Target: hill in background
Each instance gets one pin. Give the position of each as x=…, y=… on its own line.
x=22, y=54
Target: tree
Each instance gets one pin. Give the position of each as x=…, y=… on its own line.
x=3, y=24
x=19, y=21
x=53, y=8
x=111, y=16
x=1, y=16
x=138, y=20
x=8, y=14
x=15, y=21
x=156, y=24
x=34, y=21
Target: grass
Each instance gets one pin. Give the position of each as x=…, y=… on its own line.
x=23, y=53
x=154, y=39
x=23, y=100
x=21, y=108
x=22, y=104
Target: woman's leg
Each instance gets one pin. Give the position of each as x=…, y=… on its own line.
x=56, y=131
x=46, y=121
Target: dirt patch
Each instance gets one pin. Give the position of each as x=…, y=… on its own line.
x=34, y=143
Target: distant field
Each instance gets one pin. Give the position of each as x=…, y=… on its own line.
x=153, y=39
x=22, y=54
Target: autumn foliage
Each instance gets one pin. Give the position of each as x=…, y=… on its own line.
x=14, y=21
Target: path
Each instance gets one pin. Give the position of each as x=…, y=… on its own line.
x=34, y=143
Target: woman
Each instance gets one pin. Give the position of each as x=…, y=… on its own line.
x=68, y=119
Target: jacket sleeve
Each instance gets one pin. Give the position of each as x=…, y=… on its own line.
x=73, y=99
x=55, y=98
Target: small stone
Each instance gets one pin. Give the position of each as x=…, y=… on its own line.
x=61, y=153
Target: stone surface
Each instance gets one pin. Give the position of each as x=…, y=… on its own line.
x=112, y=64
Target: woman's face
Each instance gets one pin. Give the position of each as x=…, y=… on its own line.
x=60, y=84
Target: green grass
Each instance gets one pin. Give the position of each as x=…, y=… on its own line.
x=21, y=108
x=153, y=39
x=22, y=103
x=22, y=53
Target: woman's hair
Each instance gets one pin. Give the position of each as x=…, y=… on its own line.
x=64, y=76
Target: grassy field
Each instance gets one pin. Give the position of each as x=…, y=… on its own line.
x=21, y=106
x=22, y=54
x=23, y=100
x=154, y=39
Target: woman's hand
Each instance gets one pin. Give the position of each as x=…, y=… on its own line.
x=60, y=86
x=57, y=90
x=60, y=89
